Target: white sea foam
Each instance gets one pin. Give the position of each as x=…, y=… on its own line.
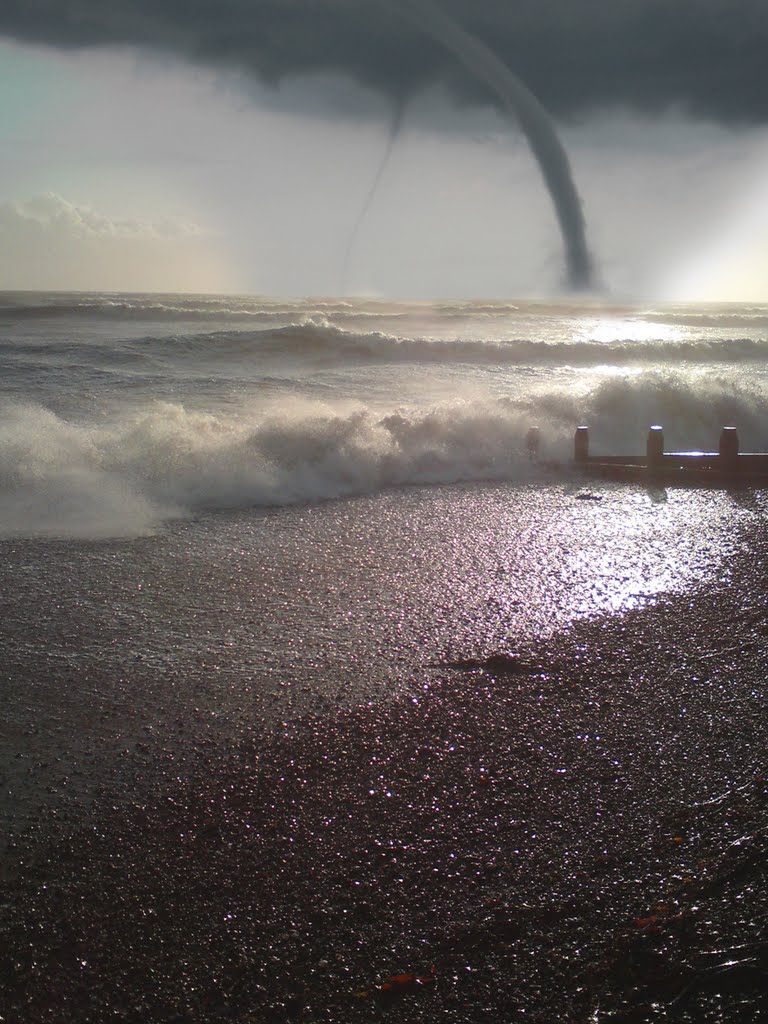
x=122, y=478
x=128, y=472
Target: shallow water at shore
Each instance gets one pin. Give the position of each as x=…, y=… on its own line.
x=232, y=620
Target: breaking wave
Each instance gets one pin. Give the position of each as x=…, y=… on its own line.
x=319, y=339
x=121, y=479
x=125, y=474
x=322, y=339
x=256, y=309
x=53, y=306
x=745, y=317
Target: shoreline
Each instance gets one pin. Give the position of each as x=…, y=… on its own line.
x=508, y=829
x=112, y=651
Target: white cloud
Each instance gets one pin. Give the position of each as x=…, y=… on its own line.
x=47, y=242
x=57, y=215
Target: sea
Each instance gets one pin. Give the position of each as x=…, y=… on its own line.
x=217, y=510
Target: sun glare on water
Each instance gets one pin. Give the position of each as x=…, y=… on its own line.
x=608, y=330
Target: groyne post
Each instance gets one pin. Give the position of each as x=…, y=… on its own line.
x=654, y=449
x=727, y=464
x=581, y=444
x=533, y=442
x=729, y=448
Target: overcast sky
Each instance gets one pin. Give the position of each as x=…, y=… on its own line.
x=234, y=151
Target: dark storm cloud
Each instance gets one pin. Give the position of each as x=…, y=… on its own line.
x=708, y=56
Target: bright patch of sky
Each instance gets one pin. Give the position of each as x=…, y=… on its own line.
x=265, y=196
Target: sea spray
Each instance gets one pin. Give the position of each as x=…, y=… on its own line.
x=127, y=471
x=139, y=468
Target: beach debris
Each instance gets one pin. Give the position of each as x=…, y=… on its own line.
x=407, y=982
x=399, y=984
x=499, y=663
x=649, y=924
x=588, y=496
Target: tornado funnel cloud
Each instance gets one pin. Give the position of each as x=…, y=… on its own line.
x=392, y=136
x=535, y=122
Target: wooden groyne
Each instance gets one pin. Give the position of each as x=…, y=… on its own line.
x=725, y=466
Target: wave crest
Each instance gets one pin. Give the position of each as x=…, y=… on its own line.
x=123, y=477
x=319, y=337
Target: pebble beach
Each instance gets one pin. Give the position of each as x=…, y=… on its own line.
x=572, y=829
